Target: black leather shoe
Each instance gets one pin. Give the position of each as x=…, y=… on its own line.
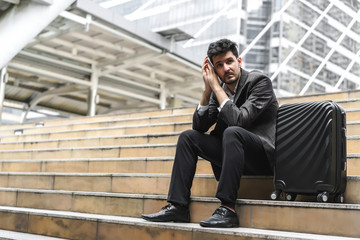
x=169, y=213
x=222, y=218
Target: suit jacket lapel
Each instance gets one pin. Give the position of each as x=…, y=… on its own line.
x=243, y=78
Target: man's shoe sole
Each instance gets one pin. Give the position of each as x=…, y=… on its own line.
x=164, y=220
x=232, y=225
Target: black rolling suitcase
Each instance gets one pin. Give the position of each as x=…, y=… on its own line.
x=310, y=151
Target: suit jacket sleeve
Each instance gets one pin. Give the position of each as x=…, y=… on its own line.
x=204, y=122
x=259, y=97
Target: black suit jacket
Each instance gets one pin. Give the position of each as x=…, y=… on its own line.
x=254, y=108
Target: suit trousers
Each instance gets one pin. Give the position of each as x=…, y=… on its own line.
x=236, y=153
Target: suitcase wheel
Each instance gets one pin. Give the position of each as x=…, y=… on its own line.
x=291, y=197
x=339, y=198
x=323, y=197
x=275, y=195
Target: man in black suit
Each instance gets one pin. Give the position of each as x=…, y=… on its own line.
x=244, y=108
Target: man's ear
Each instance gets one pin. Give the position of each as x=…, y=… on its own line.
x=239, y=61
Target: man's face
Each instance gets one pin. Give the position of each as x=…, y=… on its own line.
x=227, y=67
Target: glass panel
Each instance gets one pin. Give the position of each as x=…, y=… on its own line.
x=329, y=31
x=339, y=60
x=297, y=9
x=356, y=27
x=350, y=44
x=304, y=63
x=353, y=4
x=321, y=4
x=316, y=45
x=315, y=88
x=339, y=15
x=329, y=77
x=347, y=84
x=355, y=69
x=292, y=32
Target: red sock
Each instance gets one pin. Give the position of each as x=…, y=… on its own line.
x=231, y=209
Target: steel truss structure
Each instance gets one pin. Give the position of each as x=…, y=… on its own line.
x=87, y=62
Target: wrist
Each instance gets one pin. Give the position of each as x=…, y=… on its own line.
x=205, y=98
x=217, y=88
x=207, y=93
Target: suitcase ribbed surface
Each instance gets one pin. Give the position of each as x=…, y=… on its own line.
x=305, y=147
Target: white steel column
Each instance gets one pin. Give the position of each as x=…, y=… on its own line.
x=239, y=22
x=20, y=24
x=3, y=80
x=163, y=95
x=92, y=100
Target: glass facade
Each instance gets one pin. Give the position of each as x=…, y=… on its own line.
x=204, y=20
x=314, y=46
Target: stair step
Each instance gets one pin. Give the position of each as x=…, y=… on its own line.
x=353, y=115
x=353, y=128
x=336, y=96
x=154, y=138
x=353, y=164
x=97, y=132
x=99, y=165
x=139, y=150
x=65, y=126
x=353, y=103
x=104, y=118
x=297, y=218
x=204, y=185
x=11, y=235
x=123, y=165
x=352, y=144
x=120, y=204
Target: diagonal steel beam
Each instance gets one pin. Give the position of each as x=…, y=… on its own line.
x=17, y=30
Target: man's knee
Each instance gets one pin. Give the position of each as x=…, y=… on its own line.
x=233, y=133
x=187, y=135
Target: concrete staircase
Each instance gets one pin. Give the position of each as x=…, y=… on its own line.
x=92, y=178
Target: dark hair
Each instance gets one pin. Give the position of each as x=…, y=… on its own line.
x=222, y=46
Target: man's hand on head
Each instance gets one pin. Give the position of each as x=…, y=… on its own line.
x=209, y=76
x=212, y=84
